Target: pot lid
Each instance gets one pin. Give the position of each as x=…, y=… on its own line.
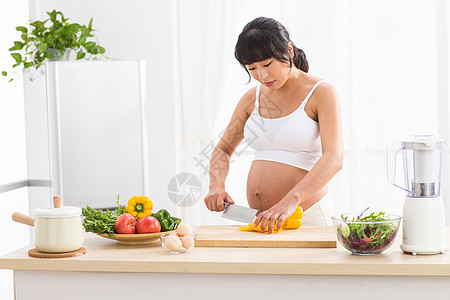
x=60, y=212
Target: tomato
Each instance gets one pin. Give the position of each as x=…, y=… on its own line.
x=148, y=225
x=125, y=223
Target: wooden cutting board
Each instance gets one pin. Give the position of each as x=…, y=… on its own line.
x=231, y=236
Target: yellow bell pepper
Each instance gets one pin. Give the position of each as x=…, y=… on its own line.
x=293, y=222
x=139, y=206
x=250, y=227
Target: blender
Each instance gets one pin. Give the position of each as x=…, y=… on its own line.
x=423, y=211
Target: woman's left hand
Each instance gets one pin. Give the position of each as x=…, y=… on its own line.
x=279, y=212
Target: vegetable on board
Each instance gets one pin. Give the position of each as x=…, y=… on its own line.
x=293, y=222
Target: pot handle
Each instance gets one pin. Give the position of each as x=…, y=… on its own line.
x=24, y=219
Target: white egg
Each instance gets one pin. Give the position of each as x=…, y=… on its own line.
x=184, y=229
x=187, y=241
x=173, y=243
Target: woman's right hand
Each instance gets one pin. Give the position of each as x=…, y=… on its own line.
x=216, y=198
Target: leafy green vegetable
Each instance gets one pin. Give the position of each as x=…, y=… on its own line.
x=371, y=234
x=98, y=221
x=120, y=208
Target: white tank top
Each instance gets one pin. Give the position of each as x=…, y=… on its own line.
x=293, y=140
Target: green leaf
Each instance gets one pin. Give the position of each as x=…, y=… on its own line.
x=43, y=47
x=83, y=40
x=90, y=46
x=27, y=64
x=58, y=31
x=52, y=16
x=90, y=24
x=17, y=46
x=80, y=55
x=50, y=13
x=101, y=50
x=22, y=29
x=4, y=73
x=50, y=40
x=38, y=24
x=62, y=16
x=17, y=57
x=75, y=26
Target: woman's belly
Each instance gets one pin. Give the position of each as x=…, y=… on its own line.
x=268, y=182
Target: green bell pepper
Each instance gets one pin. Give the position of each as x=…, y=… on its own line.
x=177, y=222
x=164, y=219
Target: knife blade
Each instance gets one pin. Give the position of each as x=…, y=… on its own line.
x=239, y=213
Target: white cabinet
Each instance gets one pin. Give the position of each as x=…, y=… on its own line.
x=86, y=133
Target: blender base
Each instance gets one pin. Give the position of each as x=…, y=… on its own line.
x=423, y=251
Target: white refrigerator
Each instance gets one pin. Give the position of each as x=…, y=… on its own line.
x=86, y=133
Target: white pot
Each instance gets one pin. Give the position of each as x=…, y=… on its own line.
x=58, y=229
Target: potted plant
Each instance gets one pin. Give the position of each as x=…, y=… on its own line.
x=53, y=39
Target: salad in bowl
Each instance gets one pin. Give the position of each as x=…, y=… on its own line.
x=367, y=235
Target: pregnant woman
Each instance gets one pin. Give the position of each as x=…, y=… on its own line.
x=292, y=119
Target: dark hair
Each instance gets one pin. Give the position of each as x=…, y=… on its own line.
x=264, y=38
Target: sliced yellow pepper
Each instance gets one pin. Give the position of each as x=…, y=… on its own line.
x=250, y=227
x=139, y=206
x=293, y=222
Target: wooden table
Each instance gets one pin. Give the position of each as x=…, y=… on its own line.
x=112, y=271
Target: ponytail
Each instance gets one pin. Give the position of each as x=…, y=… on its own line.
x=300, y=60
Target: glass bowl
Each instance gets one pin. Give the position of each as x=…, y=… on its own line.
x=175, y=244
x=365, y=236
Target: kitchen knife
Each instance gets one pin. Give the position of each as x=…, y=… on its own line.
x=239, y=213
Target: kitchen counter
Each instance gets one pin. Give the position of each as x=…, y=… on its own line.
x=106, y=260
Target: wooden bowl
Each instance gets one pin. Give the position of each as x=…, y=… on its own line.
x=135, y=239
